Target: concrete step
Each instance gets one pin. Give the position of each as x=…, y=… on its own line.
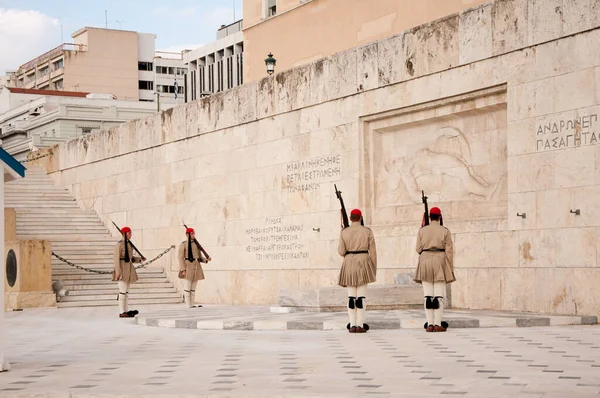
x=142, y=272
x=60, y=221
x=114, y=302
x=112, y=296
x=52, y=234
x=133, y=292
x=88, y=276
x=104, y=261
x=43, y=205
x=68, y=254
x=145, y=283
x=79, y=240
x=113, y=286
x=35, y=212
x=37, y=193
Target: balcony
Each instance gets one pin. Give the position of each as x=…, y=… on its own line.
x=55, y=52
x=19, y=126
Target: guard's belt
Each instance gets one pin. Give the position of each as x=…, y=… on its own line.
x=359, y=252
x=434, y=250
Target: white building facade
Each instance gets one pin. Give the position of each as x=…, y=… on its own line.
x=34, y=121
x=218, y=66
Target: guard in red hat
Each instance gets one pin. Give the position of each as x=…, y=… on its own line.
x=359, y=268
x=435, y=269
x=190, y=269
x=124, y=272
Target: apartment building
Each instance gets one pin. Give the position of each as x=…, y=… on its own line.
x=218, y=66
x=117, y=62
x=32, y=119
x=298, y=32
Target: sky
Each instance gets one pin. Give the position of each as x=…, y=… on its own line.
x=29, y=28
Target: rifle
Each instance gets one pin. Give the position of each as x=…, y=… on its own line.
x=426, y=214
x=130, y=242
x=345, y=223
x=198, y=245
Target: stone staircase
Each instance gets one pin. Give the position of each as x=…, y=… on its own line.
x=46, y=211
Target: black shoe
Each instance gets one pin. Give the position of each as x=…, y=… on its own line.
x=133, y=312
x=196, y=306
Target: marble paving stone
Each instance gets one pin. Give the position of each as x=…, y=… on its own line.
x=473, y=356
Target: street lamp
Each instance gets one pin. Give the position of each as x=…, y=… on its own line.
x=270, y=62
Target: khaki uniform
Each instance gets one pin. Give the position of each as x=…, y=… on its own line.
x=126, y=271
x=436, y=261
x=359, y=268
x=435, y=270
x=193, y=271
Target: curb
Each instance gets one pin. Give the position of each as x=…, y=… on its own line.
x=408, y=324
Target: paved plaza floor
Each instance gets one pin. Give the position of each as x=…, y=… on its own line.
x=89, y=352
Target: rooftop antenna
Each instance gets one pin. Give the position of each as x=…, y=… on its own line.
x=106, y=19
x=233, y=10
x=120, y=24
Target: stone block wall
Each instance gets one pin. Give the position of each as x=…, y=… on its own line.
x=492, y=112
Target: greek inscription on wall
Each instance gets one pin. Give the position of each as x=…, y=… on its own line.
x=275, y=240
x=306, y=175
x=567, y=133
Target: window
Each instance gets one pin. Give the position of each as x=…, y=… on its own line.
x=58, y=85
x=56, y=65
x=145, y=66
x=220, y=75
x=193, y=84
x=146, y=85
x=202, y=80
x=271, y=8
x=86, y=130
x=240, y=68
x=211, y=80
x=229, y=72
x=44, y=71
x=170, y=70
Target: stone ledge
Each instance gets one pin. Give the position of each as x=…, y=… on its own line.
x=232, y=318
x=334, y=298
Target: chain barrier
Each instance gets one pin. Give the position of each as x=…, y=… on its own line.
x=95, y=271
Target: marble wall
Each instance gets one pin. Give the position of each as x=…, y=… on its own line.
x=492, y=112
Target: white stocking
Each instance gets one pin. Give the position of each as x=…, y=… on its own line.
x=123, y=294
x=352, y=311
x=193, y=292
x=428, y=292
x=187, y=295
x=361, y=293
x=439, y=290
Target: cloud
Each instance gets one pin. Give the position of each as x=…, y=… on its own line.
x=25, y=34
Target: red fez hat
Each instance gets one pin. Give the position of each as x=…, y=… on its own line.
x=124, y=230
x=435, y=210
x=355, y=212
x=189, y=230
